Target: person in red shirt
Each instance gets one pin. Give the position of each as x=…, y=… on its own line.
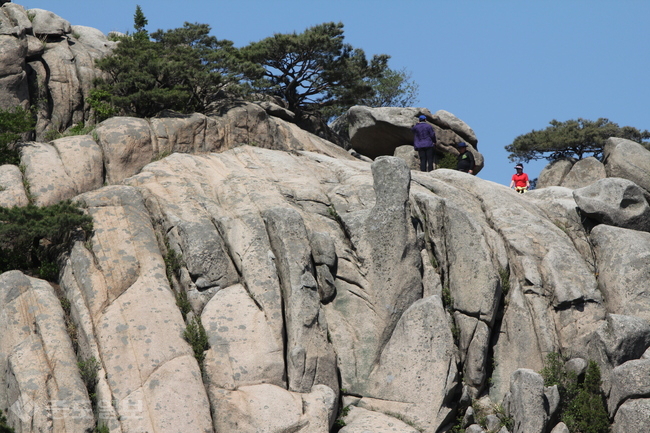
x=520, y=180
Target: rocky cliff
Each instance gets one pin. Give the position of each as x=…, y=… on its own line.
x=48, y=65
x=334, y=293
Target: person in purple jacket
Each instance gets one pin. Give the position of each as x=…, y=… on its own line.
x=424, y=142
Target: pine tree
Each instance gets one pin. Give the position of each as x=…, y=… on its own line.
x=314, y=69
x=573, y=138
x=183, y=69
x=139, y=20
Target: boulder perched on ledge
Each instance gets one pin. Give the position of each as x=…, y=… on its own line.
x=380, y=131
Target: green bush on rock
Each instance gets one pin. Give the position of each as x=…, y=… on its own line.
x=582, y=406
x=196, y=336
x=4, y=428
x=12, y=124
x=586, y=412
x=32, y=238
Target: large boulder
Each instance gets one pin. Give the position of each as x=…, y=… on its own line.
x=12, y=189
x=93, y=39
x=409, y=155
x=63, y=169
x=269, y=408
x=73, y=165
x=15, y=21
x=64, y=87
x=554, y=173
x=560, y=428
x=446, y=120
x=629, y=380
x=615, y=201
x=310, y=356
x=13, y=77
x=527, y=403
x=632, y=416
x=48, y=180
x=46, y=23
x=323, y=216
x=623, y=261
x=583, y=173
x=379, y=131
x=418, y=359
x=617, y=340
x=37, y=360
x=629, y=160
x=475, y=294
x=560, y=207
x=360, y=420
x=48, y=65
x=277, y=111
x=243, y=350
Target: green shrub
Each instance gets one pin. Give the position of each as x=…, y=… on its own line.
x=88, y=370
x=52, y=134
x=195, y=335
x=554, y=372
x=70, y=326
x=448, y=161
x=506, y=421
x=99, y=101
x=340, y=423
x=48, y=271
x=12, y=124
x=447, y=299
x=32, y=238
x=78, y=129
x=504, y=276
x=162, y=155
x=586, y=413
x=4, y=428
x=183, y=303
x=173, y=262
x=334, y=214
x=582, y=407
x=102, y=428
x=458, y=424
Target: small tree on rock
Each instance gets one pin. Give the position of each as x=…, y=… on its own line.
x=573, y=138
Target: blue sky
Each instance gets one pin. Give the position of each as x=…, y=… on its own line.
x=504, y=67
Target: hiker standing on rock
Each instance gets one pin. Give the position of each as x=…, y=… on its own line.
x=466, y=161
x=424, y=142
x=520, y=180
